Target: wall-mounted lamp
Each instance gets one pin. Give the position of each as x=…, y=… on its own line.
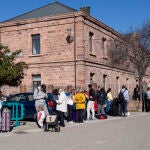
x=104, y=39
x=69, y=38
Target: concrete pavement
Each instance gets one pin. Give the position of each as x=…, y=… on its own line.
x=115, y=133
x=30, y=126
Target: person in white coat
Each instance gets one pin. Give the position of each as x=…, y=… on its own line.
x=61, y=107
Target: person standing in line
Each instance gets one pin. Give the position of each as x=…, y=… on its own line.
x=40, y=98
x=79, y=101
x=137, y=93
x=148, y=99
x=108, y=100
x=74, y=92
x=51, y=103
x=124, y=101
x=61, y=106
x=90, y=104
x=101, y=102
x=86, y=94
x=69, y=106
x=55, y=94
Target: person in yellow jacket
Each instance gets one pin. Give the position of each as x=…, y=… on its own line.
x=109, y=100
x=79, y=101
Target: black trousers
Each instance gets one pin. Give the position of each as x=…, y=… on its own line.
x=61, y=118
x=79, y=115
x=69, y=118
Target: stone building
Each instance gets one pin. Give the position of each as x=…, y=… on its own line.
x=63, y=46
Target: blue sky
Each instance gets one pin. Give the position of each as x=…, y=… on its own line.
x=120, y=15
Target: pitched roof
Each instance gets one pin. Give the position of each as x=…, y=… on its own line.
x=47, y=10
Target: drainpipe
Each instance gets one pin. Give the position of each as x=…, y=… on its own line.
x=75, y=68
x=0, y=34
x=0, y=44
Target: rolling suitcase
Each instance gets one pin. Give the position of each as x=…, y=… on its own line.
x=5, y=124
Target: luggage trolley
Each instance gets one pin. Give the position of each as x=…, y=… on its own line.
x=51, y=122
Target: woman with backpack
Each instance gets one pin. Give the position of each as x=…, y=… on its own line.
x=123, y=98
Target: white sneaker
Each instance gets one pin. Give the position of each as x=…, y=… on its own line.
x=70, y=122
x=87, y=120
x=128, y=113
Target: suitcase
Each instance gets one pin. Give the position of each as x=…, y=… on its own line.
x=114, y=108
x=5, y=124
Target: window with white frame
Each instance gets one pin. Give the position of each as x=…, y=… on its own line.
x=35, y=44
x=36, y=79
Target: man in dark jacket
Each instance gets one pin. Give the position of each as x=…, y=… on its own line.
x=101, y=99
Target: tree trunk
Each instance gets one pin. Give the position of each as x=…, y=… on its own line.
x=140, y=100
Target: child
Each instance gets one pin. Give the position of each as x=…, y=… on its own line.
x=40, y=116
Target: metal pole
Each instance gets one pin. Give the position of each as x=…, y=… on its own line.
x=75, y=69
x=0, y=34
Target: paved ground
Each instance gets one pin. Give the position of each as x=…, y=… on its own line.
x=30, y=126
x=115, y=133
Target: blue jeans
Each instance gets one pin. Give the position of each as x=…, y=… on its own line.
x=107, y=105
x=101, y=109
x=124, y=107
x=0, y=118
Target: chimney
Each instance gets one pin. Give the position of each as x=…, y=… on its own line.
x=86, y=10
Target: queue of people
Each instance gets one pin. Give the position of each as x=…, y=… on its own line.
x=78, y=105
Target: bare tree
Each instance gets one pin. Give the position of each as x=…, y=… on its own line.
x=133, y=51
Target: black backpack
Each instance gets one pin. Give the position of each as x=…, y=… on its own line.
x=121, y=97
